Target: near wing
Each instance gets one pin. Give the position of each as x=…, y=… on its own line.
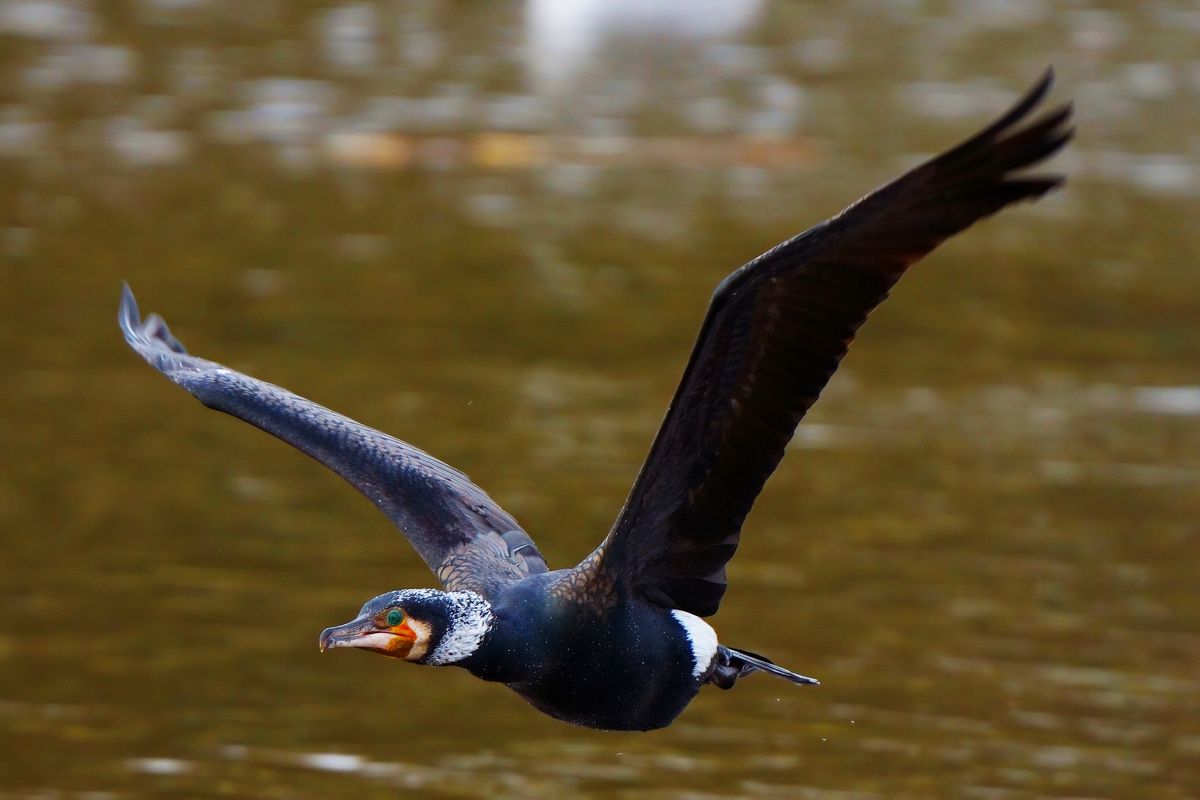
x=774, y=334
x=468, y=540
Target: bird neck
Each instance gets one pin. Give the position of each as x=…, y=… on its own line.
x=469, y=622
x=516, y=649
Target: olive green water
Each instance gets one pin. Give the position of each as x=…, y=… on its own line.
x=492, y=230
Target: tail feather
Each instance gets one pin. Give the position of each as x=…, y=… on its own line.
x=733, y=664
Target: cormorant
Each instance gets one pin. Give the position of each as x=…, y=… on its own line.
x=619, y=641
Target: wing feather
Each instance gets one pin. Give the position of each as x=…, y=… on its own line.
x=775, y=332
x=460, y=532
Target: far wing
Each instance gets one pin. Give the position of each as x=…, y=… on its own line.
x=463, y=535
x=775, y=332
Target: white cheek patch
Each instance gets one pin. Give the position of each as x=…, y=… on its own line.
x=701, y=637
x=421, y=643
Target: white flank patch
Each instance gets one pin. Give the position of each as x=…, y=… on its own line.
x=470, y=620
x=701, y=637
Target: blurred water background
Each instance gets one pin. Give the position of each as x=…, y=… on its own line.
x=492, y=229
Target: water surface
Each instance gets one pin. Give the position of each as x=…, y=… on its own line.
x=491, y=229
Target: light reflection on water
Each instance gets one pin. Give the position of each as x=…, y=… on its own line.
x=492, y=230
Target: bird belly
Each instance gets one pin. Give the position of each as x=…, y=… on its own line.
x=634, y=676
x=624, y=704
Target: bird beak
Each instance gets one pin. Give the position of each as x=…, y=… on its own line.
x=365, y=635
x=355, y=633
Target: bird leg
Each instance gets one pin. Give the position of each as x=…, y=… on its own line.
x=733, y=664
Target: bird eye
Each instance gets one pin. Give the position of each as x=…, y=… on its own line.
x=395, y=617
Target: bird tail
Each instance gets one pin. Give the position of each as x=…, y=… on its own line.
x=733, y=664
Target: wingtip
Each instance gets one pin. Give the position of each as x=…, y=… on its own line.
x=1040, y=88
x=1047, y=79
x=1032, y=98
x=147, y=336
x=1019, y=111
x=128, y=316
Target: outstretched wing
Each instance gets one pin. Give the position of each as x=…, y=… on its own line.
x=463, y=535
x=774, y=334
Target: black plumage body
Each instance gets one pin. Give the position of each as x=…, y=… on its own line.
x=628, y=668
x=617, y=641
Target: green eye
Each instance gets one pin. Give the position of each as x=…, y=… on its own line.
x=395, y=617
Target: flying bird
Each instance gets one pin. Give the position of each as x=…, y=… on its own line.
x=619, y=641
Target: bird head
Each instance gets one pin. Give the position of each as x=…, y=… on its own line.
x=425, y=626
